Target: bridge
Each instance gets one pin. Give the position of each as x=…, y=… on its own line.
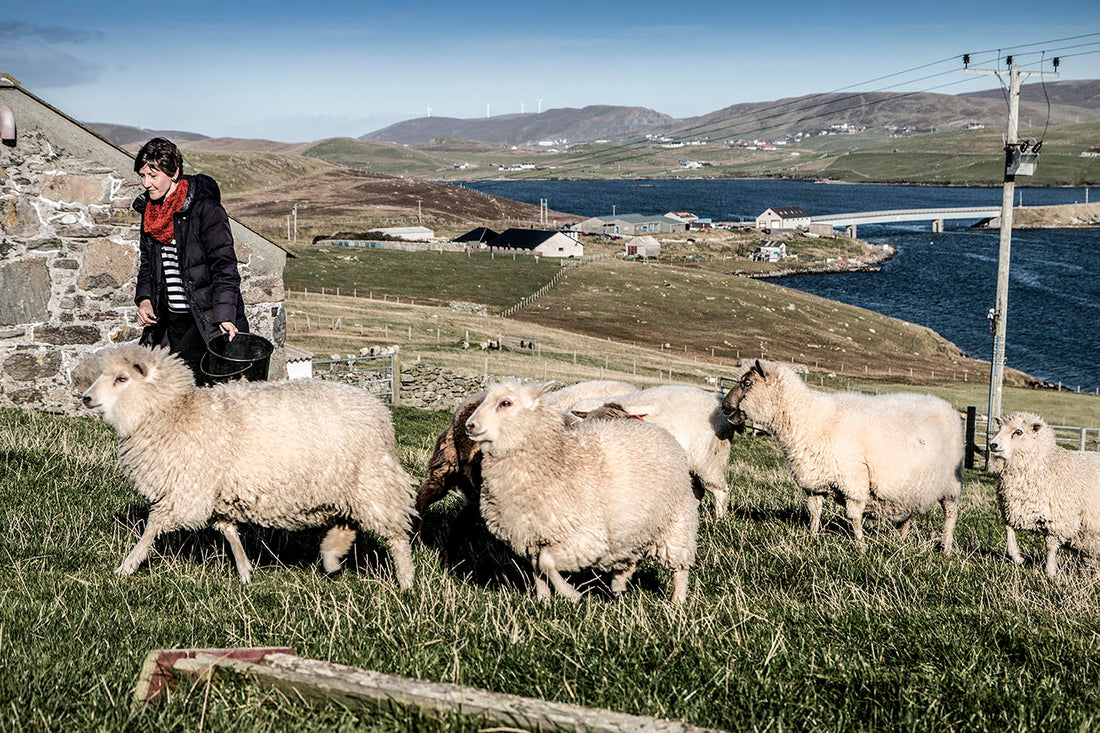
x=936, y=216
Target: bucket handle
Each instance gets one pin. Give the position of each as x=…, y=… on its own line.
x=202, y=366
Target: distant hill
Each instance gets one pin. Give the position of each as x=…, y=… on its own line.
x=568, y=123
x=127, y=135
x=923, y=111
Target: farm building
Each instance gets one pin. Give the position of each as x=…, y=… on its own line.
x=643, y=247
x=69, y=252
x=631, y=224
x=409, y=234
x=481, y=235
x=550, y=243
x=783, y=217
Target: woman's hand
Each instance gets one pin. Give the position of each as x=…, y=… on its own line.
x=145, y=314
x=229, y=328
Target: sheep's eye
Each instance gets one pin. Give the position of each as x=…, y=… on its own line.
x=1017, y=431
x=504, y=403
x=121, y=378
x=746, y=382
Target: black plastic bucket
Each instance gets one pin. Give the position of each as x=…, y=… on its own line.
x=246, y=356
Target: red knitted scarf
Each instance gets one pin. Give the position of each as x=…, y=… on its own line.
x=158, y=214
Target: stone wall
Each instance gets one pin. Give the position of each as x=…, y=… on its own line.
x=435, y=388
x=68, y=258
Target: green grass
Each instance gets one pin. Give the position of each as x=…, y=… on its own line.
x=497, y=281
x=779, y=629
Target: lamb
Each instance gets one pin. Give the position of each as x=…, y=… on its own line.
x=693, y=416
x=289, y=455
x=599, y=494
x=891, y=456
x=1046, y=489
x=456, y=462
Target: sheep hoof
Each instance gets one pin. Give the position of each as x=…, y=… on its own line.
x=1017, y=560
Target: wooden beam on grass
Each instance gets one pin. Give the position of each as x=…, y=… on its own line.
x=353, y=686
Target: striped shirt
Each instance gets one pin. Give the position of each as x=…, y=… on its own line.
x=173, y=279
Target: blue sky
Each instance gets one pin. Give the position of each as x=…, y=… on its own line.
x=304, y=71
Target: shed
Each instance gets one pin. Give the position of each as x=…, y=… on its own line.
x=68, y=256
x=545, y=242
x=480, y=235
x=644, y=247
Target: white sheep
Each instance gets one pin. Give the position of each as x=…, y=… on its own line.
x=600, y=494
x=693, y=416
x=891, y=455
x=456, y=461
x=290, y=455
x=1046, y=489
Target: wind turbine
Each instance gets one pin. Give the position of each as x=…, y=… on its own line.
x=487, y=105
x=540, y=105
x=522, y=106
x=429, y=110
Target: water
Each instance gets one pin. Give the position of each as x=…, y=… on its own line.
x=944, y=281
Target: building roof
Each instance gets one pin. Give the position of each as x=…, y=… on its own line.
x=790, y=212
x=481, y=234
x=640, y=219
x=522, y=238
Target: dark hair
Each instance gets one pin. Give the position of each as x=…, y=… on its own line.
x=162, y=154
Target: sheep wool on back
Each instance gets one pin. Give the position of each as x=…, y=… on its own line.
x=1047, y=489
x=891, y=456
x=289, y=454
x=599, y=494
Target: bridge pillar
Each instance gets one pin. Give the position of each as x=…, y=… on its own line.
x=937, y=226
x=850, y=230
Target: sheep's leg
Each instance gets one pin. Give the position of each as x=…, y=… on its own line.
x=854, y=510
x=1053, y=543
x=721, y=501
x=401, y=552
x=229, y=531
x=1013, y=548
x=153, y=527
x=542, y=588
x=903, y=529
x=547, y=567
x=950, y=515
x=338, y=540
x=680, y=585
x=621, y=578
x=814, y=502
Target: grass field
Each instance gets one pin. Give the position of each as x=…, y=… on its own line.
x=780, y=631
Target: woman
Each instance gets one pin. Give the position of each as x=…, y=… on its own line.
x=188, y=286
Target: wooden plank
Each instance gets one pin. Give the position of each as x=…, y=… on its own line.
x=354, y=686
x=156, y=670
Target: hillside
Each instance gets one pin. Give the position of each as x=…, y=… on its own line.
x=261, y=189
x=562, y=124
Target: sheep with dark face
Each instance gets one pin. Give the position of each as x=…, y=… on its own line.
x=290, y=455
x=600, y=494
x=692, y=416
x=1046, y=489
x=891, y=456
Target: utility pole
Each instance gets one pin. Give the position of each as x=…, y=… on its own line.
x=419, y=219
x=1020, y=159
x=294, y=213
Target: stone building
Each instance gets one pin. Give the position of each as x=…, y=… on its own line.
x=68, y=254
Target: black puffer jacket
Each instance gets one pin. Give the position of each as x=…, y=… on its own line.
x=208, y=264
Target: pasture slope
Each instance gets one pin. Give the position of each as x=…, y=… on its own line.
x=780, y=631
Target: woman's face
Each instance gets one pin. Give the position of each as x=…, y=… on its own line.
x=158, y=183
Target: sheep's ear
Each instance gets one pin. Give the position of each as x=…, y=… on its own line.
x=142, y=369
x=532, y=393
x=997, y=423
x=759, y=369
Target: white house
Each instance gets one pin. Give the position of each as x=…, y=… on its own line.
x=771, y=252
x=548, y=243
x=783, y=217
x=643, y=247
